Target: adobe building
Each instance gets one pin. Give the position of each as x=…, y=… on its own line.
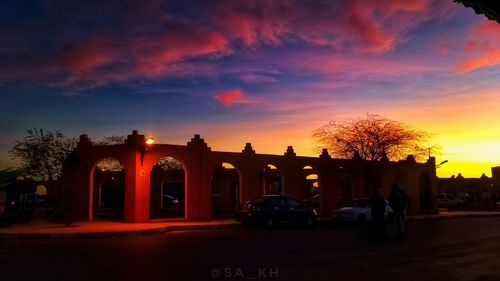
x=482, y=191
x=210, y=183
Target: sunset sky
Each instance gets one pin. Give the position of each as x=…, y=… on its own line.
x=265, y=72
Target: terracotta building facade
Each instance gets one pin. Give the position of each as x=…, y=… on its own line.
x=212, y=183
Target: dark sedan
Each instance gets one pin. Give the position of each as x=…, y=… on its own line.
x=273, y=210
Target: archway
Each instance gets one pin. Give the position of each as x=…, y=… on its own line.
x=167, y=193
x=311, y=189
x=272, y=180
x=425, y=192
x=108, y=194
x=41, y=190
x=40, y=195
x=310, y=181
x=225, y=190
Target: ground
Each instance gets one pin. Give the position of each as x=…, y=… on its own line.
x=434, y=249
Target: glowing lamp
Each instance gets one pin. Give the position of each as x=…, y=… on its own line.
x=150, y=141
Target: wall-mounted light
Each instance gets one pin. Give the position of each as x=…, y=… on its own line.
x=148, y=142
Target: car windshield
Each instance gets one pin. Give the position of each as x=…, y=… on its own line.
x=258, y=200
x=360, y=203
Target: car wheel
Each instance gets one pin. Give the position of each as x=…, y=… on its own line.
x=309, y=222
x=361, y=218
x=270, y=223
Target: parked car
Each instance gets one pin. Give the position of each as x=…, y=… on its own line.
x=273, y=210
x=449, y=200
x=360, y=211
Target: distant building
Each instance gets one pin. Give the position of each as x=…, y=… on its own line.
x=478, y=190
x=214, y=183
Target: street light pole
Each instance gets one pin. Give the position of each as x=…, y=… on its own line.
x=443, y=162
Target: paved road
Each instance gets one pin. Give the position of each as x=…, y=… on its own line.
x=450, y=249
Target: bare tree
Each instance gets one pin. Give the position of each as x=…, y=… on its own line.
x=43, y=152
x=373, y=137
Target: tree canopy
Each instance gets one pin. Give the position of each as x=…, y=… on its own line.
x=42, y=152
x=373, y=137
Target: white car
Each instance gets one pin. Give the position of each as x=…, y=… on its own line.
x=449, y=200
x=360, y=211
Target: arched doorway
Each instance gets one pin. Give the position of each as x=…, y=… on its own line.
x=425, y=192
x=225, y=190
x=167, y=193
x=311, y=185
x=272, y=180
x=40, y=196
x=108, y=190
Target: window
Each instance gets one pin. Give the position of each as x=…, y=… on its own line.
x=360, y=203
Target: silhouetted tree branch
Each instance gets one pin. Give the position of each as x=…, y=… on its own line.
x=43, y=152
x=491, y=9
x=373, y=137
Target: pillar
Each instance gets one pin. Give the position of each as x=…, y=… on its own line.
x=137, y=179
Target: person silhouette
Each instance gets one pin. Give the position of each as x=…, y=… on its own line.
x=399, y=201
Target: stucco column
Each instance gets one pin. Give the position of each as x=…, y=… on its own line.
x=198, y=198
x=137, y=184
x=329, y=185
x=251, y=186
x=292, y=175
x=80, y=197
x=137, y=180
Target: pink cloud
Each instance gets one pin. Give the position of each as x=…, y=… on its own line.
x=174, y=47
x=489, y=58
x=255, y=23
x=231, y=97
x=371, y=33
x=482, y=47
x=102, y=58
x=366, y=26
x=487, y=27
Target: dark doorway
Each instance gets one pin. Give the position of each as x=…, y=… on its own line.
x=167, y=191
x=425, y=192
x=108, y=193
x=225, y=191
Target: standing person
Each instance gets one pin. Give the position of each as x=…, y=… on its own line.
x=399, y=201
x=377, y=204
